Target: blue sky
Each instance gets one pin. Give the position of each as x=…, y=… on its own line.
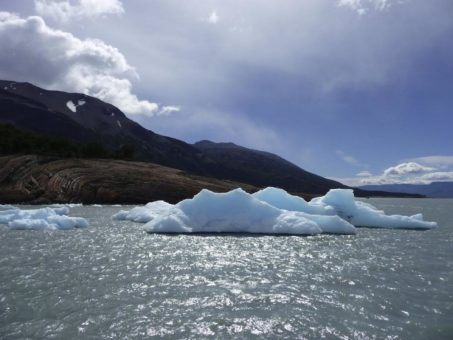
x=339, y=87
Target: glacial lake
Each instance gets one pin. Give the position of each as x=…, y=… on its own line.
x=114, y=281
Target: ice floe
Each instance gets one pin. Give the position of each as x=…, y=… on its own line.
x=143, y=214
x=269, y=211
x=362, y=214
x=41, y=219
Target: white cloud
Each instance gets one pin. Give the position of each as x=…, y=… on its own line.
x=437, y=161
x=166, y=110
x=213, y=18
x=364, y=6
x=438, y=176
x=407, y=173
x=65, y=10
x=58, y=60
x=406, y=168
x=348, y=158
x=364, y=174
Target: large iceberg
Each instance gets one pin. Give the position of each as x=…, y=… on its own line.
x=268, y=211
x=232, y=212
x=41, y=219
x=362, y=214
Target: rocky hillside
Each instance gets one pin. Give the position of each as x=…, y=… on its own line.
x=37, y=179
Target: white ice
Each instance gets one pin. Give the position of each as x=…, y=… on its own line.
x=362, y=214
x=69, y=205
x=119, y=123
x=143, y=214
x=234, y=211
x=269, y=211
x=279, y=198
x=41, y=219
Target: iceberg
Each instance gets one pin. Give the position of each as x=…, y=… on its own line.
x=41, y=219
x=143, y=214
x=279, y=198
x=232, y=212
x=268, y=211
x=361, y=214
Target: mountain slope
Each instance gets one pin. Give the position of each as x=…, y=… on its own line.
x=433, y=190
x=84, y=119
x=260, y=168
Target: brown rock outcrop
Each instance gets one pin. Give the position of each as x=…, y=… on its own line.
x=36, y=179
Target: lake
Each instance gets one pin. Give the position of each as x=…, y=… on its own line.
x=113, y=280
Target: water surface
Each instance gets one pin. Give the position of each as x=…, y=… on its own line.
x=113, y=280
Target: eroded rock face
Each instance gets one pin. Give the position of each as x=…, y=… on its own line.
x=35, y=179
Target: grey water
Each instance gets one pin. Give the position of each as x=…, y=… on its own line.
x=114, y=281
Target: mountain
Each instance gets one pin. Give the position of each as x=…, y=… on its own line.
x=85, y=119
x=234, y=162
x=87, y=123
x=433, y=190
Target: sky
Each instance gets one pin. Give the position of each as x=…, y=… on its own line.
x=356, y=90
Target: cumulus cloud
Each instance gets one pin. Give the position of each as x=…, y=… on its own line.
x=437, y=161
x=438, y=176
x=65, y=10
x=406, y=168
x=32, y=51
x=407, y=173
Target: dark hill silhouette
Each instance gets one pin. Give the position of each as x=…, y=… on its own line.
x=433, y=190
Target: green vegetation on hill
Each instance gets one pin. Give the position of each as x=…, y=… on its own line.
x=15, y=141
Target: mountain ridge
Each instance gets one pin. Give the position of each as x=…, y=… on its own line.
x=82, y=118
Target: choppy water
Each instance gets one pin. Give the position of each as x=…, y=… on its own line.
x=112, y=280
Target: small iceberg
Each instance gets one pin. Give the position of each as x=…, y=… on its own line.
x=41, y=219
x=143, y=214
x=361, y=214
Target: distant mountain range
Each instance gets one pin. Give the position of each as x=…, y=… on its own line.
x=433, y=190
x=83, y=119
